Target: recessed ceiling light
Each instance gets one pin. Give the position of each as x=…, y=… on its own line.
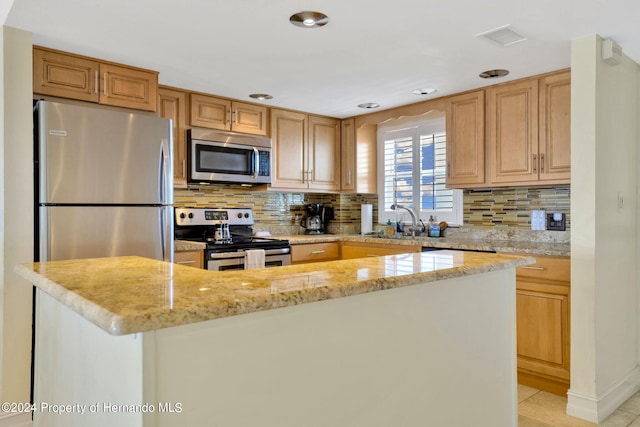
x=260, y=96
x=493, y=74
x=309, y=19
x=424, y=91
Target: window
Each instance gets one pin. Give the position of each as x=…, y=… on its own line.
x=412, y=161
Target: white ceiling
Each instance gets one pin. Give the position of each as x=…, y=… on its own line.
x=371, y=51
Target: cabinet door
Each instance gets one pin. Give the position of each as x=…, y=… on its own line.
x=210, y=112
x=555, y=128
x=324, y=153
x=465, y=140
x=249, y=118
x=66, y=76
x=542, y=312
x=172, y=104
x=348, y=156
x=128, y=87
x=513, y=133
x=288, y=147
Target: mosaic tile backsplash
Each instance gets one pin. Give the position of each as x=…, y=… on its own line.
x=511, y=207
x=280, y=212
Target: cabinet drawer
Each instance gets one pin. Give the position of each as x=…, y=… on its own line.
x=363, y=250
x=547, y=268
x=314, y=252
x=190, y=258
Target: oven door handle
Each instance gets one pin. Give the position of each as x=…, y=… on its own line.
x=241, y=254
x=226, y=255
x=271, y=251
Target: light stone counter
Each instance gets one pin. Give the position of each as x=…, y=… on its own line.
x=522, y=247
x=124, y=295
x=420, y=336
x=187, y=245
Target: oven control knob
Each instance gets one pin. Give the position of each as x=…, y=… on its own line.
x=239, y=215
x=246, y=215
x=190, y=215
x=182, y=215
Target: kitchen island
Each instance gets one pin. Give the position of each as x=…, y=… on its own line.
x=398, y=340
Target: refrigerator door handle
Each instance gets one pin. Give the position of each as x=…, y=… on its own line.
x=166, y=172
x=166, y=233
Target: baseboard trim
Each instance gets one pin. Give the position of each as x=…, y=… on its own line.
x=597, y=409
x=16, y=420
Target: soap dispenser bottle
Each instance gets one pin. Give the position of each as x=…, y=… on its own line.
x=434, y=227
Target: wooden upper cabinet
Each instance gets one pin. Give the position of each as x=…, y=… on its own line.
x=324, y=154
x=172, y=104
x=466, y=140
x=248, y=118
x=210, y=112
x=129, y=88
x=348, y=161
x=289, y=149
x=555, y=128
x=305, y=150
x=218, y=113
x=513, y=132
x=66, y=76
x=71, y=76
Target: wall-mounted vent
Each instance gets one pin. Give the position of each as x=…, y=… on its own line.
x=611, y=52
x=503, y=36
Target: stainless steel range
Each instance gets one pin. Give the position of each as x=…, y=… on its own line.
x=228, y=233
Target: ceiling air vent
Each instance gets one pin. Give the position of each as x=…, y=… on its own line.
x=503, y=36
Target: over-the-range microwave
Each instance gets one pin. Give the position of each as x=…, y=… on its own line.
x=231, y=157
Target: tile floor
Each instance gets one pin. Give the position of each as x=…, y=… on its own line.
x=541, y=409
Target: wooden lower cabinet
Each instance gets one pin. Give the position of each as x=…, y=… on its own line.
x=190, y=258
x=543, y=329
x=352, y=250
x=315, y=252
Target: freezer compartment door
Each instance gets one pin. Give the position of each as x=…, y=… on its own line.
x=68, y=232
x=94, y=156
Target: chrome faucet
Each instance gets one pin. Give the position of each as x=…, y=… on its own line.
x=414, y=222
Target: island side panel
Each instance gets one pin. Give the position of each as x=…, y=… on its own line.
x=440, y=353
x=77, y=364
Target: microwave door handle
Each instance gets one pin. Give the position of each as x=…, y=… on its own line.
x=256, y=162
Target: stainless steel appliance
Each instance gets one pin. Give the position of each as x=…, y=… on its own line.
x=316, y=218
x=225, y=250
x=215, y=156
x=103, y=184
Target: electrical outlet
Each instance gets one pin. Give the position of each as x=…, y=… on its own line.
x=556, y=222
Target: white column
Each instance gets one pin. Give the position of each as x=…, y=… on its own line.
x=604, y=279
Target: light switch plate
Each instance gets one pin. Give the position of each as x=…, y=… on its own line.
x=538, y=220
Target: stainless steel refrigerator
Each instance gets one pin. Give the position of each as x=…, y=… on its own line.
x=103, y=185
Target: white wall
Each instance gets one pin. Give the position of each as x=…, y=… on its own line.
x=604, y=243
x=16, y=213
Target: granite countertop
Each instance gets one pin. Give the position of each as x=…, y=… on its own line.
x=187, y=245
x=124, y=295
x=522, y=247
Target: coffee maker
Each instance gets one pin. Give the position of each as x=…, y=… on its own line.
x=316, y=218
